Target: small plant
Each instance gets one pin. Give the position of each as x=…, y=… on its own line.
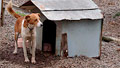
x=22, y=14
x=116, y=15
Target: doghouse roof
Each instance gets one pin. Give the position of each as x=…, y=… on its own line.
x=68, y=9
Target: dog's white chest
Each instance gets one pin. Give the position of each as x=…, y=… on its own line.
x=26, y=32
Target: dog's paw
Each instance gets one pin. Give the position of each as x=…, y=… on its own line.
x=33, y=61
x=27, y=60
x=15, y=52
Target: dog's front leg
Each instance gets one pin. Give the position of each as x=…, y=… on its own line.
x=33, y=50
x=30, y=46
x=25, y=51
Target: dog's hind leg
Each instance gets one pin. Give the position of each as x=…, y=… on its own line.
x=16, y=44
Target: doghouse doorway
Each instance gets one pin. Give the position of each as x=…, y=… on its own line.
x=49, y=36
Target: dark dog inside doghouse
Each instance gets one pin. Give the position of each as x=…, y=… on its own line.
x=49, y=36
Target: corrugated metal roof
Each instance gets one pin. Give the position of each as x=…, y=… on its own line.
x=68, y=9
x=64, y=4
x=73, y=15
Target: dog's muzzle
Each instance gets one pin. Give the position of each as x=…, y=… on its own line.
x=39, y=24
x=31, y=27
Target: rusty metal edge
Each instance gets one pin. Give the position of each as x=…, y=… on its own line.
x=2, y=14
x=101, y=37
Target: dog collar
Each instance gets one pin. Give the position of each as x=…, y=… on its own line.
x=30, y=28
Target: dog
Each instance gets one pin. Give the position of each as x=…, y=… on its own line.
x=25, y=26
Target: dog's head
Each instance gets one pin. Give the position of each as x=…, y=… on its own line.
x=33, y=20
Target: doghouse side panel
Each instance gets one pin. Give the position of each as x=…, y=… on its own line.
x=83, y=37
x=40, y=32
x=58, y=37
x=39, y=38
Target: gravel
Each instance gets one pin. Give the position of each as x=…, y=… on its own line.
x=109, y=9
x=110, y=57
x=17, y=2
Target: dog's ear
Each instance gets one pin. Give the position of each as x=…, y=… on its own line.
x=25, y=24
x=27, y=18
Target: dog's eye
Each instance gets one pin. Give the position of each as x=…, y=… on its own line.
x=35, y=19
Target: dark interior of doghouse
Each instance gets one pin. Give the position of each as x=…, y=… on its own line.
x=49, y=36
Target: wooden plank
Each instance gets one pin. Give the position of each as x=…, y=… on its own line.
x=28, y=7
x=64, y=46
x=100, y=39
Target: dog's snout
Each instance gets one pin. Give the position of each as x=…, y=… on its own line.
x=41, y=24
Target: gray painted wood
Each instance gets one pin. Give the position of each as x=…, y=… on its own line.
x=58, y=37
x=73, y=15
x=57, y=10
x=64, y=4
x=39, y=38
x=83, y=37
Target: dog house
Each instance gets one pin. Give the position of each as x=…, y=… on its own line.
x=71, y=27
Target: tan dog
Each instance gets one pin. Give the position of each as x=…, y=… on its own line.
x=26, y=26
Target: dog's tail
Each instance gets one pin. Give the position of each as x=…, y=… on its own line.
x=11, y=11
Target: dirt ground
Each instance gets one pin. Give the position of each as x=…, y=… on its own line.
x=110, y=58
